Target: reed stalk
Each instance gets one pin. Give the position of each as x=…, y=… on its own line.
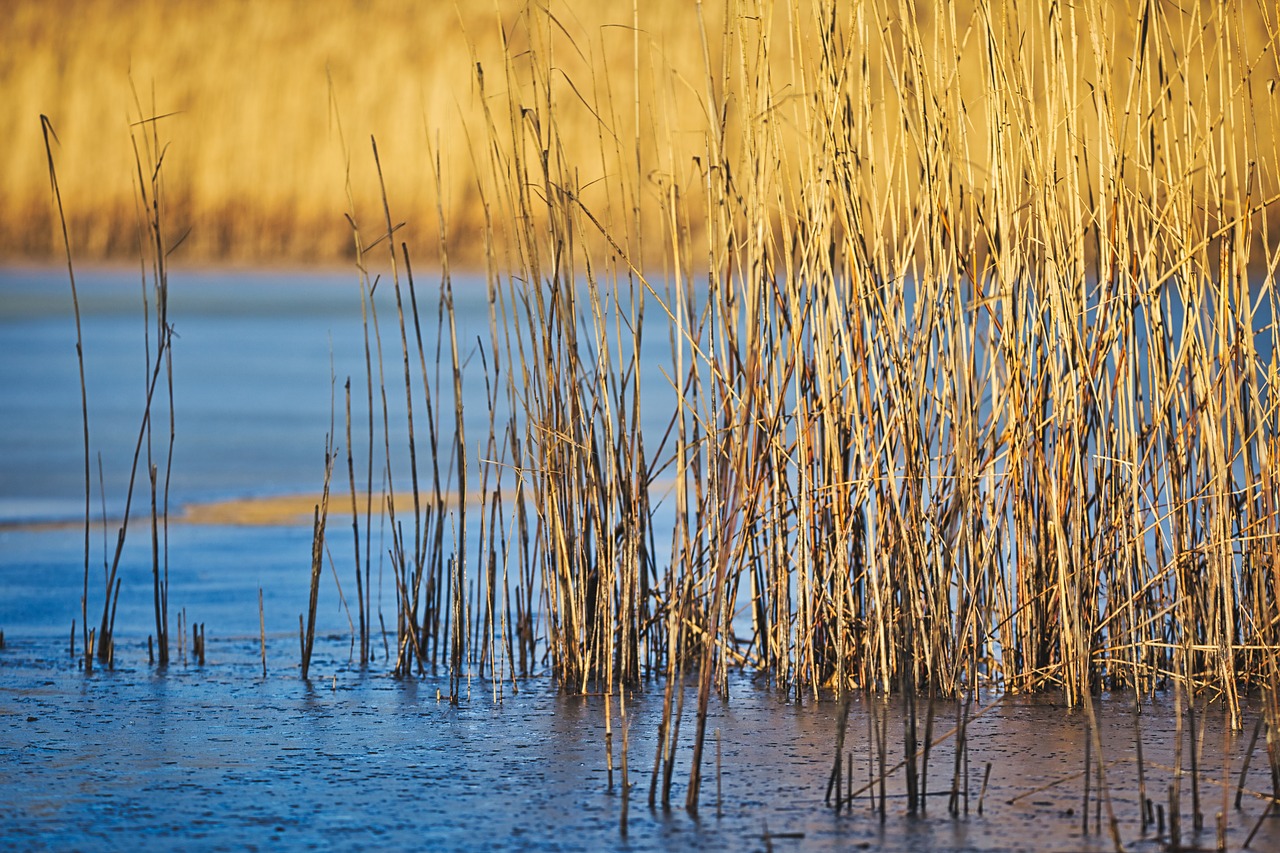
x=46, y=128
x=321, y=516
x=262, y=633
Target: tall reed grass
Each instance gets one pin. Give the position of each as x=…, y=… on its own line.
x=971, y=328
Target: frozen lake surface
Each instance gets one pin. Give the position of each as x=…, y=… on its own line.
x=217, y=756
x=220, y=756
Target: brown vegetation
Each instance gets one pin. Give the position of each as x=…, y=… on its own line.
x=257, y=93
x=258, y=90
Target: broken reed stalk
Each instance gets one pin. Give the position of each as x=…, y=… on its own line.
x=262, y=633
x=321, y=515
x=608, y=741
x=982, y=792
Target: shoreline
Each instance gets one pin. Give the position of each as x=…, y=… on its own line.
x=269, y=511
x=288, y=510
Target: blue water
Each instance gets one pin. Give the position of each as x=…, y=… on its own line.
x=259, y=363
x=221, y=756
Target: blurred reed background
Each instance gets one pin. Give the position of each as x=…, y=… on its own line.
x=254, y=166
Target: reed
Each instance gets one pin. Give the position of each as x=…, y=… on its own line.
x=307, y=628
x=46, y=129
x=262, y=633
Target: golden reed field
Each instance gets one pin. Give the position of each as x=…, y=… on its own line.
x=262, y=99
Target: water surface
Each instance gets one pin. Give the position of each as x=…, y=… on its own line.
x=220, y=756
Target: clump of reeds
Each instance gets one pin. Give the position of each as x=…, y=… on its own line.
x=970, y=343
x=986, y=399
x=969, y=340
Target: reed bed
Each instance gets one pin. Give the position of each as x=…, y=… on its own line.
x=968, y=322
x=968, y=326
x=972, y=383
x=251, y=167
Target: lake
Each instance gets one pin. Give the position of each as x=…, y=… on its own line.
x=220, y=754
